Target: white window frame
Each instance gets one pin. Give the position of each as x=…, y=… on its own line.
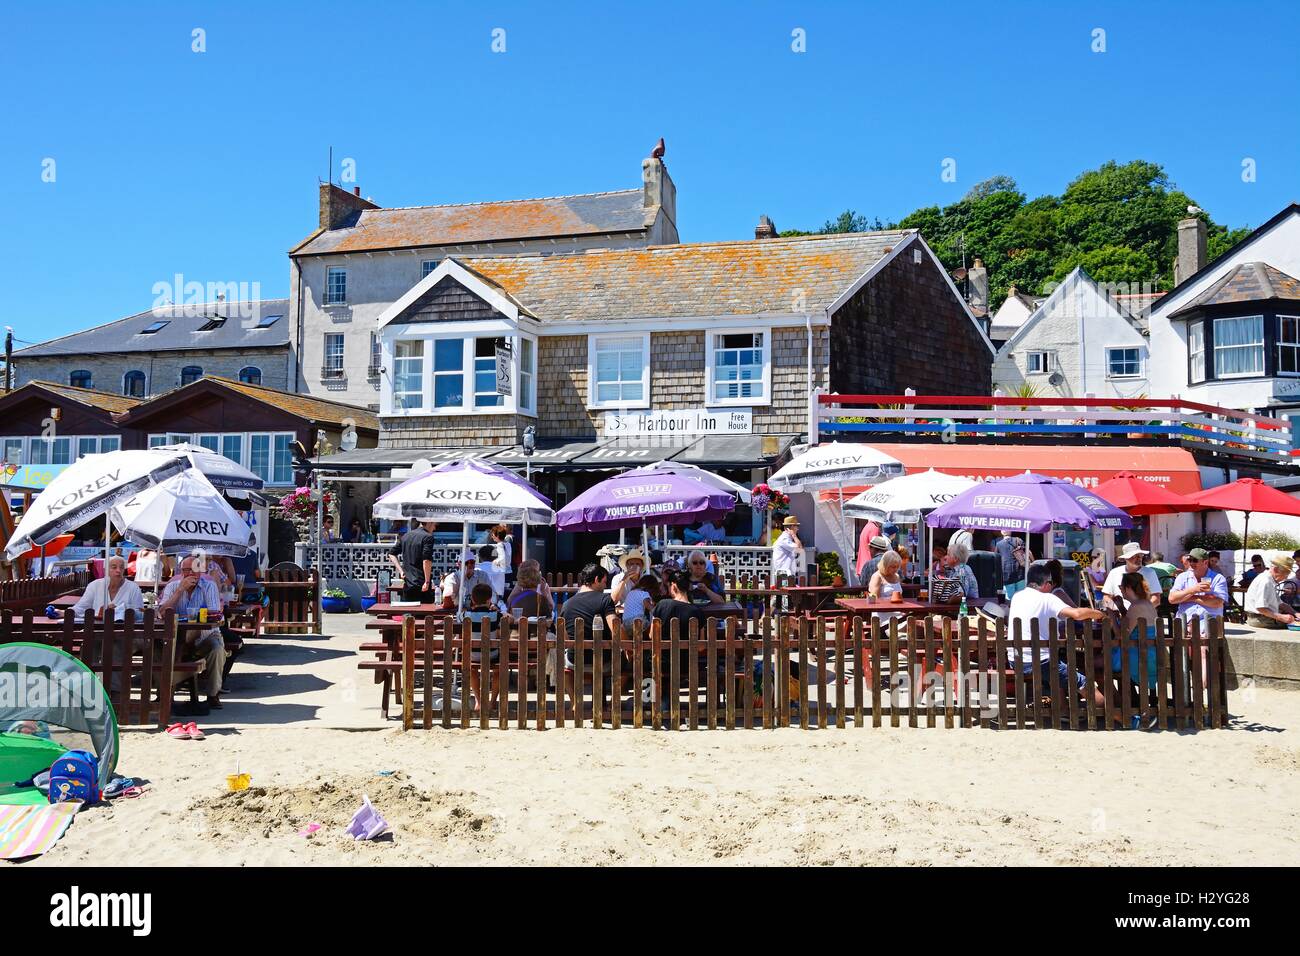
x=269, y=477
x=428, y=265
x=330, y=273
x=710, y=348
x=1196, y=352
x=328, y=372
x=1263, y=357
x=593, y=341
x=1045, y=367
x=22, y=449
x=425, y=385
x=521, y=372
x=1294, y=346
x=1137, y=349
x=475, y=358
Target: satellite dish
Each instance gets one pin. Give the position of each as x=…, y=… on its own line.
x=348, y=441
x=1056, y=379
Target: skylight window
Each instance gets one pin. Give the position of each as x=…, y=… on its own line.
x=155, y=327
x=214, y=322
x=269, y=320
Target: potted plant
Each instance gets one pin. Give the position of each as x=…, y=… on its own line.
x=829, y=570
x=335, y=601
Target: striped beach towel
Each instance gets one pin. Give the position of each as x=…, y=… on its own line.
x=31, y=831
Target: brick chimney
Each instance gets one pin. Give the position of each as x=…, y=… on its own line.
x=338, y=207
x=977, y=287
x=764, y=229
x=659, y=192
x=1191, y=249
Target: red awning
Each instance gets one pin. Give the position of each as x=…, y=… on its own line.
x=1088, y=466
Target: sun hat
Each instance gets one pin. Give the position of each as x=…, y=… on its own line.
x=881, y=543
x=1131, y=549
x=1283, y=562
x=633, y=555
x=790, y=522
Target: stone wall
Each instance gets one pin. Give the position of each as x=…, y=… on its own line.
x=907, y=329
x=162, y=370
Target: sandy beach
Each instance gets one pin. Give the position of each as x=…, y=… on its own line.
x=307, y=730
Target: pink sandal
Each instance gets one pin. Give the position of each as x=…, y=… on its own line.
x=178, y=731
x=193, y=730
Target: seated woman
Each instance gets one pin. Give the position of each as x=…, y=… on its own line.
x=113, y=590
x=703, y=586
x=1057, y=572
x=886, y=582
x=956, y=569
x=1138, y=622
x=530, y=596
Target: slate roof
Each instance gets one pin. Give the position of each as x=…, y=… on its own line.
x=470, y=223
x=1248, y=282
x=749, y=277
x=238, y=331
x=318, y=410
x=106, y=401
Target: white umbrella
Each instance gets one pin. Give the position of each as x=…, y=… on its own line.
x=836, y=464
x=905, y=498
x=467, y=491
x=86, y=489
x=221, y=471
x=183, y=514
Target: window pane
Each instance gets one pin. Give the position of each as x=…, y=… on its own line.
x=283, y=471
x=87, y=446
x=448, y=355
x=250, y=375
x=632, y=392
x=62, y=451
x=408, y=374
x=448, y=391
x=110, y=443
x=232, y=446
x=13, y=448
x=191, y=374
x=156, y=440
x=336, y=286
x=210, y=442
x=259, y=456
x=607, y=393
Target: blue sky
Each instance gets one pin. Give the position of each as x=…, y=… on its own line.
x=170, y=161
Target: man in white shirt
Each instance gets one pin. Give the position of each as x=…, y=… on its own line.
x=1132, y=555
x=1036, y=602
x=787, y=553
x=1263, y=608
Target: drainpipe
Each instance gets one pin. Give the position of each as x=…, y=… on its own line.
x=296, y=358
x=812, y=394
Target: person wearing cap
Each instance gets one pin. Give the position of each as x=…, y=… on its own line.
x=1263, y=608
x=633, y=566
x=1132, y=555
x=880, y=546
x=1199, y=592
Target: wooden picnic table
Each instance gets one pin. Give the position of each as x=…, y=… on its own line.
x=865, y=608
x=811, y=597
x=400, y=610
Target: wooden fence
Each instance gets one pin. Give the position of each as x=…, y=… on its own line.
x=35, y=593
x=134, y=658
x=808, y=672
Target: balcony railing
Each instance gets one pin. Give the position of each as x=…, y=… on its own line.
x=1212, y=431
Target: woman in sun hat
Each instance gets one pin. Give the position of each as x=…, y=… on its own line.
x=633, y=566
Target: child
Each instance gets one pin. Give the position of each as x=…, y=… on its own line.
x=482, y=608
x=639, y=602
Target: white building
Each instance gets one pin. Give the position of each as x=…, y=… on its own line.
x=1229, y=333
x=1078, y=342
x=1014, y=312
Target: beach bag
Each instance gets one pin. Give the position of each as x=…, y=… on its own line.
x=944, y=589
x=74, y=776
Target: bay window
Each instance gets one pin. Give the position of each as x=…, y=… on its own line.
x=619, y=371
x=737, y=367
x=1239, y=347
x=443, y=375
x=485, y=374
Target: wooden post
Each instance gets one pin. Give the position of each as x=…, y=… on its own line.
x=408, y=672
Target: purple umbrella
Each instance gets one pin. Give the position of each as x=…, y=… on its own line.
x=635, y=498
x=1027, y=502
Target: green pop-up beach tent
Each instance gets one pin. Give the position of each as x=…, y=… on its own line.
x=49, y=703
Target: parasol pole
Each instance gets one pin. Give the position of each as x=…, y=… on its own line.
x=108, y=531
x=460, y=587
x=1245, y=540
x=850, y=570
x=645, y=542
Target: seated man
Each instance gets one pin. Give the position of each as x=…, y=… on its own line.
x=1263, y=607
x=1036, y=602
x=187, y=594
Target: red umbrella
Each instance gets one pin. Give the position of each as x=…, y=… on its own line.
x=1126, y=490
x=1247, y=494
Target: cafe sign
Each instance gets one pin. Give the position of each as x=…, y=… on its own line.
x=689, y=421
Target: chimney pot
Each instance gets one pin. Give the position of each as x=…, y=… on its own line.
x=356, y=190
x=765, y=229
